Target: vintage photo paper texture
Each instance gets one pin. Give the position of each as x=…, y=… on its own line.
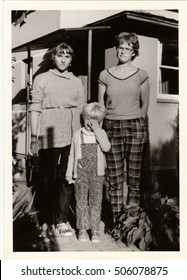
x=157, y=228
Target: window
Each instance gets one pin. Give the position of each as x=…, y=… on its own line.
x=168, y=72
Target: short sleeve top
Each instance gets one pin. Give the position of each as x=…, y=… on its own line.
x=123, y=95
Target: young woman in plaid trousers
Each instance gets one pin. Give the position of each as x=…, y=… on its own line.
x=126, y=89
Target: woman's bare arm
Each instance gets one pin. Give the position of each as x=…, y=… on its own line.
x=145, y=92
x=101, y=93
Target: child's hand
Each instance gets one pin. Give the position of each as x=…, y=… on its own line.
x=94, y=124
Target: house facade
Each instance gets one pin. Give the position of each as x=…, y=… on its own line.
x=91, y=33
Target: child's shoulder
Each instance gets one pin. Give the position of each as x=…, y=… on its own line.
x=77, y=132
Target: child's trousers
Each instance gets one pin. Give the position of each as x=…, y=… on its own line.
x=88, y=189
x=88, y=193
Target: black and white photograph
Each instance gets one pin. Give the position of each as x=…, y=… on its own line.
x=95, y=130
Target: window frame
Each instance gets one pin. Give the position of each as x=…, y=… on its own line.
x=164, y=97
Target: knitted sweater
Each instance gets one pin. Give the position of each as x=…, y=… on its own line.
x=103, y=146
x=59, y=97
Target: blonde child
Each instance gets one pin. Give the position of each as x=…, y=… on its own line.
x=86, y=167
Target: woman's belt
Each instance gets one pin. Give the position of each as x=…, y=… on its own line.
x=62, y=107
x=73, y=118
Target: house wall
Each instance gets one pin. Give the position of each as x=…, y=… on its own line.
x=161, y=116
x=37, y=24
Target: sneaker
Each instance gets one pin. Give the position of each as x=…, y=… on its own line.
x=83, y=236
x=95, y=236
x=63, y=230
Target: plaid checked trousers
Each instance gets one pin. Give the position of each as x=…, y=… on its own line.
x=127, y=139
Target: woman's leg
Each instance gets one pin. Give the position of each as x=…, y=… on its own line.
x=134, y=153
x=115, y=166
x=48, y=160
x=64, y=190
x=134, y=160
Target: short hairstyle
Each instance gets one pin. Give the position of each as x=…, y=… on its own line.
x=94, y=110
x=62, y=48
x=131, y=39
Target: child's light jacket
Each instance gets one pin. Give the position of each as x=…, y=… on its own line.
x=75, y=152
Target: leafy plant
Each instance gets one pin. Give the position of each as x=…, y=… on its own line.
x=133, y=226
x=156, y=227
x=26, y=230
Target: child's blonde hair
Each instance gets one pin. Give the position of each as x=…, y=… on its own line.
x=94, y=110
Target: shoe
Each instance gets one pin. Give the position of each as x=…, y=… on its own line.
x=95, y=236
x=83, y=236
x=51, y=230
x=46, y=231
x=63, y=230
x=43, y=230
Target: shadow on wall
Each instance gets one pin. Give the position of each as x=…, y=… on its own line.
x=49, y=138
x=20, y=97
x=45, y=64
x=18, y=126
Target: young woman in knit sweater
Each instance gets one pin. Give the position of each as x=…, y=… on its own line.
x=56, y=105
